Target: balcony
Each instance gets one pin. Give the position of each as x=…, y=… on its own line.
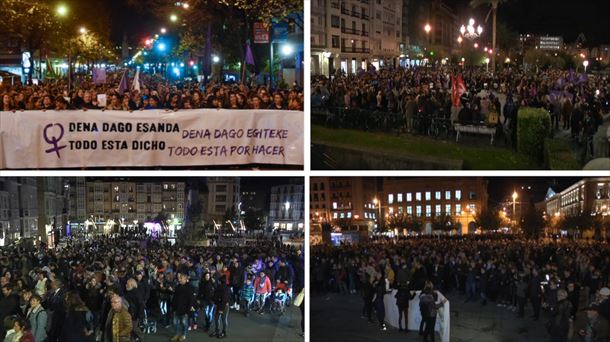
x=354, y=49
x=364, y=16
x=335, y=5
x=350, y=31
x=355, y=14
x=365, y=33
x=345, y=11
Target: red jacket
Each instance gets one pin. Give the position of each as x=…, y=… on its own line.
x=27, y=337
x=262, y=288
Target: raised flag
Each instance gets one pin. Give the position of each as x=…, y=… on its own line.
x=50, y=74
x=136, y=81
x=123, y=85
x=249, y=56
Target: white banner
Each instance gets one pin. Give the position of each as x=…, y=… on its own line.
x=95, y=138
x=442, y=319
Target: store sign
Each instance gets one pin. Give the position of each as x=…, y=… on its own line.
x=261, y=33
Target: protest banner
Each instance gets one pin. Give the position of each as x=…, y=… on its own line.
x=198, y=137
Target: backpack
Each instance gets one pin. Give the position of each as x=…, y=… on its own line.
x=427, y=306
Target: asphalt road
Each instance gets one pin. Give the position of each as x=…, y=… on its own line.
x=337, y=318
x=255, y=328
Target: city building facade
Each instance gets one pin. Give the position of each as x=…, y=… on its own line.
x=591, y=195
x=351, y=35
x=287, y=207
x=425, y=198
x=223, y=199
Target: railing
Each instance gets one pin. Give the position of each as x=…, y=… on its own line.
x=345, y=11
x=355, y=14
x=350, y=30
x=365, y=33
x=335, y=5
x=355, y=49
x=364, y=16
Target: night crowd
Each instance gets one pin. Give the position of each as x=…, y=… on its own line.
x=422, y=96
x=121, y=288
x=563, y=284
x=156, y=93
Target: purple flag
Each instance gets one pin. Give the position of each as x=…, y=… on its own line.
x=123, y=86
x=249, y=56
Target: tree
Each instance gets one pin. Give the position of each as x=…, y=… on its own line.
x=443, y=223
x=488, y=219
x=253, y=220
x=344, y=223
x=532, y=223
x=494, y=9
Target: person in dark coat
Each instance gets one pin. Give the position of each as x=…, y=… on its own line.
x=78, y=327
x=206, y=298
x=559, y=325
x=182, y=303
x=222, y=297
x=368, y=292
x=381, y=286
x=403, y=296
x=237, y=282
x=429, y=308
x=9, y=305
x=535, y=293
x=55, y=305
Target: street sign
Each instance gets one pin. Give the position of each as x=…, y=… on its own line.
x=261, y=33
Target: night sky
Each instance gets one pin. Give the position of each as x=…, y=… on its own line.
x=501, y=188
x=565, y=18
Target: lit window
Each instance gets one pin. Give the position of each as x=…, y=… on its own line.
x=409, y=210
x=334, y=205
x=342, y=215
x=428, y=210
x=399, y=198
x=437, y=195
x=458, y=195
x=409, y=197
x=428, y=196
x=349, y=215
x=437, y=210
x=334, y=215
x=458, y=209
x=366, y=215
x=447, y=195
x=418, y=210
x=448, y=209
x=391, y=210
x=400, y=210
x=390, y=198
x=473, y=208
x=418, y=196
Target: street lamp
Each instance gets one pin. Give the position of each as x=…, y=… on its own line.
x=514, y=202
x=173, y=18
x=215, y=59
x=82, y=30
x=460, y=39
x=327, y=55
x=585, y=63
x=287, y=50
x=487, y=63
x=470, y=31
x=163, y=30
x=62, y=10
x=427, y=28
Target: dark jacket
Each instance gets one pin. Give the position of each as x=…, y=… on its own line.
x=206, y=290
x=222, y=296
x=183, y=299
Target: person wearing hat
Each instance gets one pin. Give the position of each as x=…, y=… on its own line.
x=597, y=328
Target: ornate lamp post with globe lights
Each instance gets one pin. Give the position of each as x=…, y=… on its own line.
x=471, y=32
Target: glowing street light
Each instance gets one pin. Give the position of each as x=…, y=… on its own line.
x=427, y=28
x=173, y=18
x=161, y=47
x=585, y=63
x=163, y=30
x=287, y=50
x=185, y=5
x=82, y=30
x=470, y=31
x=215, y=59
x=487, y=63
x=514, y=202
x=476, y=45
x=460, y=39
x=62, y=10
